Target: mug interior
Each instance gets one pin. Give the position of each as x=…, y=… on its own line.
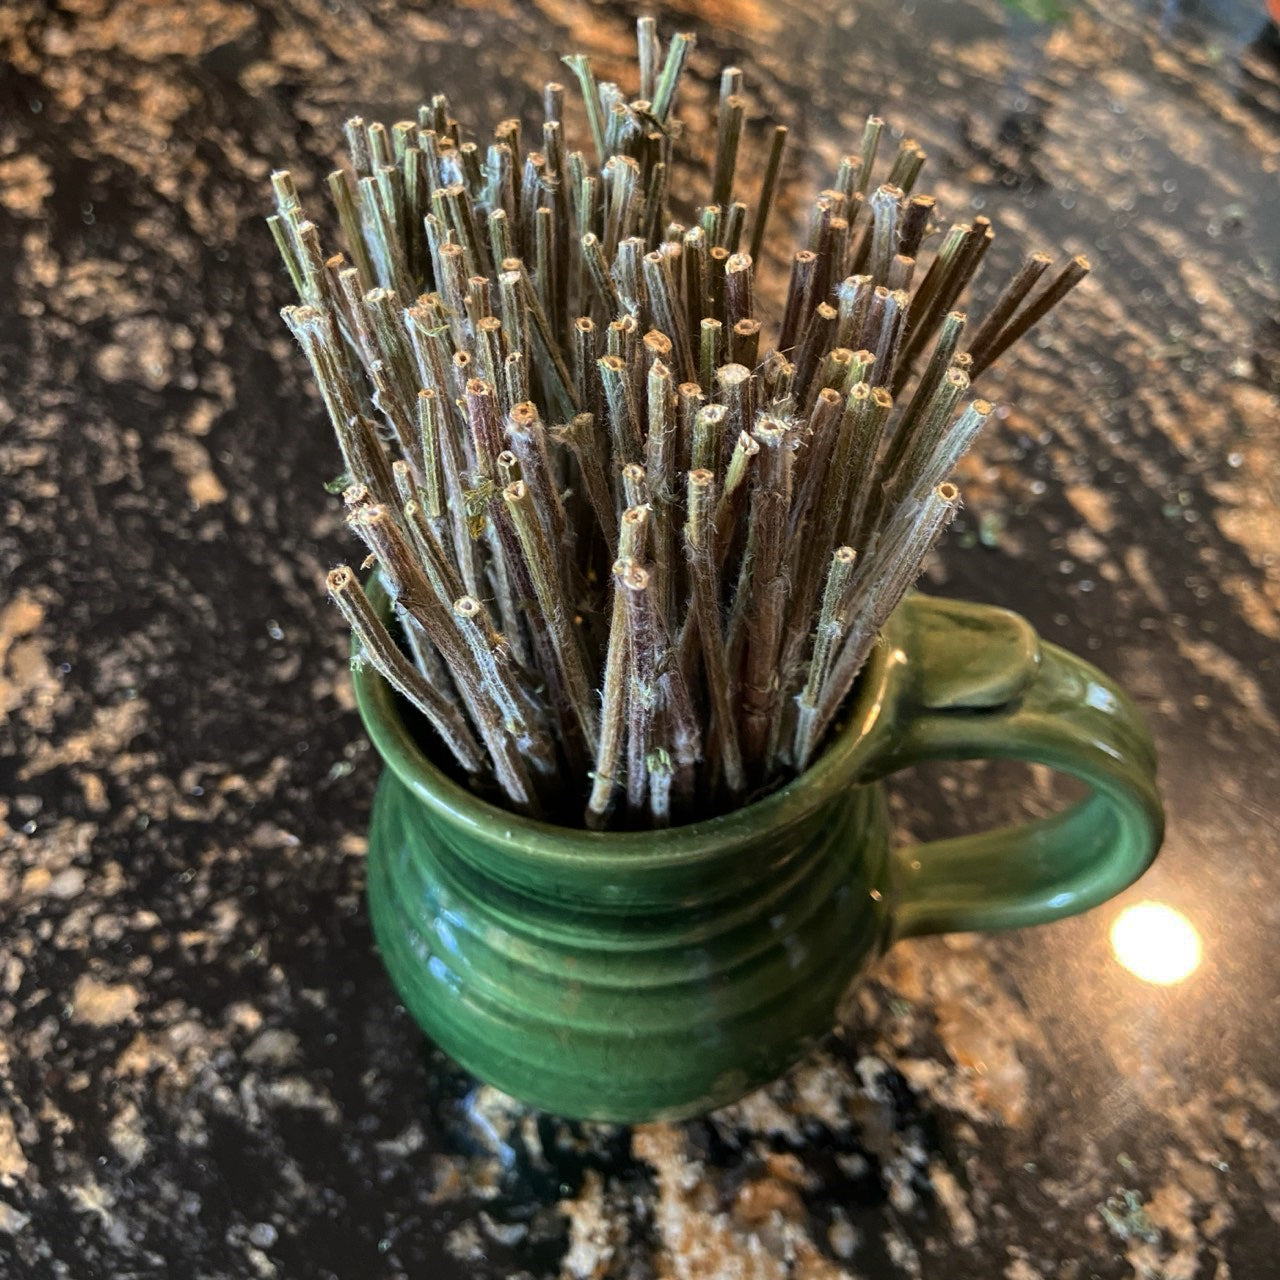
x=833, y=773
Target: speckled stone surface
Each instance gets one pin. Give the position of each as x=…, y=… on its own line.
x=203, y=1070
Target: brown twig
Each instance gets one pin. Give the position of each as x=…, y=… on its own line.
x=376, y=644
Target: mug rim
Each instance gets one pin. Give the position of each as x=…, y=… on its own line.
x=536, y=841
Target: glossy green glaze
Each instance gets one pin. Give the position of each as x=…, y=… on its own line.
x=635, y=976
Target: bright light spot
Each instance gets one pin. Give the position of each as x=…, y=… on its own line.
x=1156, y=943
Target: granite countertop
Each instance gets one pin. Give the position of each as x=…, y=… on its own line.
x=204, y=1071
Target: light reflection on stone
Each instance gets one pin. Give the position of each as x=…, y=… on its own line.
x=1156, y=943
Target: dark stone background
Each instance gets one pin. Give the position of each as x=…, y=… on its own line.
x=203, y=1070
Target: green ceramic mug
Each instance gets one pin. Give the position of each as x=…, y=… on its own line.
x=638, y=976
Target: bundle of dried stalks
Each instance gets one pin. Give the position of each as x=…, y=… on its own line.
x=637, y=554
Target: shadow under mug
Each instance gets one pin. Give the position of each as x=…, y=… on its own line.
x=632, y=976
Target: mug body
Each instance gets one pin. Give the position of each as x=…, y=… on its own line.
x=632, y=976
x=640, y=975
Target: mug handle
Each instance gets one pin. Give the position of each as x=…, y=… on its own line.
x=976, y=682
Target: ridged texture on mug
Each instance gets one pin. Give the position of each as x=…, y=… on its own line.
x=611, y=1011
